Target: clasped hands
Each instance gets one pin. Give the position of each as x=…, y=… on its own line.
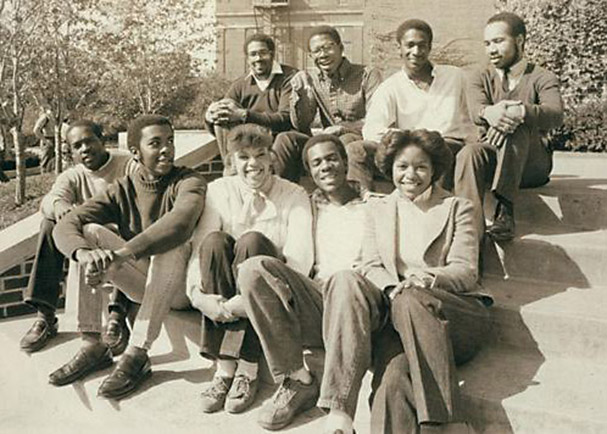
x=220, y=309
x=503, y=119
x=96, y=263
x=414, y=278
x=225, y=111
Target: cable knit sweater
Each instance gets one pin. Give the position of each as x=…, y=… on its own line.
x=153, y=216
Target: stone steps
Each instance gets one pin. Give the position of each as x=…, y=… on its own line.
x=550, y=254
x=513, y=391
x=554, y=320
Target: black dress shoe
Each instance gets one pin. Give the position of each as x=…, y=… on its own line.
x=38, y=335
x=502, y=228
x=130, y=372
x=116, y=335
x=83, y=363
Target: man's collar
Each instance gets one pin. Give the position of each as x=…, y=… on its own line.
x=276, y=70
x=432, y=72
x=342, y=70
x=362, y=194
x=516, y=70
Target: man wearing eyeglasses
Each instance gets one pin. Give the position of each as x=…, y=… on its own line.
x=261, y=97
x=337, y=90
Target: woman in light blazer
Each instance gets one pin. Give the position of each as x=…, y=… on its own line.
x=413, y=310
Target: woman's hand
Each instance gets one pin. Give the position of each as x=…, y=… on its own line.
x=414, y=278
x=213, y=307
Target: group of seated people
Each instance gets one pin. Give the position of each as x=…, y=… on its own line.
x=382, y=282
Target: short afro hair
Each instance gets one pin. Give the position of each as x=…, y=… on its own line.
x=515, y=23
x=94, y=127
x=431, y=142
x=133, y=136
x=260, y=37
x=415, y=24
x=322, y=138
x=330, y=31
x=247, y=135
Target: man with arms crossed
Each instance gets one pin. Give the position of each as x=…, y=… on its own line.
x=514, y=102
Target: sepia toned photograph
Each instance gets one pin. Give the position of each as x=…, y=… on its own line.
x=303, y=216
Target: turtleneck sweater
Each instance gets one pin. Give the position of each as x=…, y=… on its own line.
x=152, y=216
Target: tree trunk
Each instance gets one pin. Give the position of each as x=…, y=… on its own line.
x=58, y=153
x=20, y=166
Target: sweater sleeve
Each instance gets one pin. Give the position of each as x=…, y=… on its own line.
x=61, y=191
x=176, y=226
x=299, y=246
x=303, y=102
x=102, y=209
x=381, y=114
x=477, y=97
x=279, y=120
x=209, y=221
x=546, y=112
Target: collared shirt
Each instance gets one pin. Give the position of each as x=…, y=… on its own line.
x=286, y=219
x=515, y=73
x=340, y=98
x=263, y=84
x=400, y=103
x=412, y=235
x=338, y=234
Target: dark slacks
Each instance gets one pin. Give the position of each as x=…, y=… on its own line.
x=438, y=331
x=44, y=286
x=220, y=257
x=362, y=166
x=285, y=309
x=523, y=162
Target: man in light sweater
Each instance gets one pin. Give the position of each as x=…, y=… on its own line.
x=97, y=169
x=420, y=96
x=286, y=306
x=156, y=209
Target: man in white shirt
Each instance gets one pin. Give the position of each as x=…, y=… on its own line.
x=420, y=96
x=286, y=306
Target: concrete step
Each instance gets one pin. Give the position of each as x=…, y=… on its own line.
x=550, y=254
x=565, y=202
x=510, y=391
x=550, y=319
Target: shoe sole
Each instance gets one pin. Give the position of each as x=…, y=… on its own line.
x=98, y=367
x=281, y=425
x=126, y=392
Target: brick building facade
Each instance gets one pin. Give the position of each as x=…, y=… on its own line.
x=366, y=27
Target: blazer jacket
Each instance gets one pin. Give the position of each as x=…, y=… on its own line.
x=451, y=253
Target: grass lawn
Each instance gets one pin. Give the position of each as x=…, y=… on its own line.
x=36, y=186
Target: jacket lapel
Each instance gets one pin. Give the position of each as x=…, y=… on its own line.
x=437, y=216
x=386, y=232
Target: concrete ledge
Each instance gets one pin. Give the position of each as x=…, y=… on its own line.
x=18, y=241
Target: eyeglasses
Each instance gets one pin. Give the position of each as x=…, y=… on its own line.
x=329, y=48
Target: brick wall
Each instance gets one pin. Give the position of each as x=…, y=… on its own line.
x=13, y=282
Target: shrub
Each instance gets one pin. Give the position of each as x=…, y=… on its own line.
x=570, y=38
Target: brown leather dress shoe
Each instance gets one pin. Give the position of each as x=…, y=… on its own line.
x=116, y=335
x=129, y=373
x=38, y=335
x=82, y=364
x=502, y=228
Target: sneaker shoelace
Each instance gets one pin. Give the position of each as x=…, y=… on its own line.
x=241, y=385
x=285, y=393
x=217, y=389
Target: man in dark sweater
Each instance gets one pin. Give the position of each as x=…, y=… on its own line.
x=514, y=102
x=260, y=97
x=155, y=210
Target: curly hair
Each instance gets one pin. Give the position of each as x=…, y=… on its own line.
x=246, y=135
x=260, y=37
x=431, y=142
x=322, y=138
x=94, y=127
x=133, y=135
x=414, y=24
